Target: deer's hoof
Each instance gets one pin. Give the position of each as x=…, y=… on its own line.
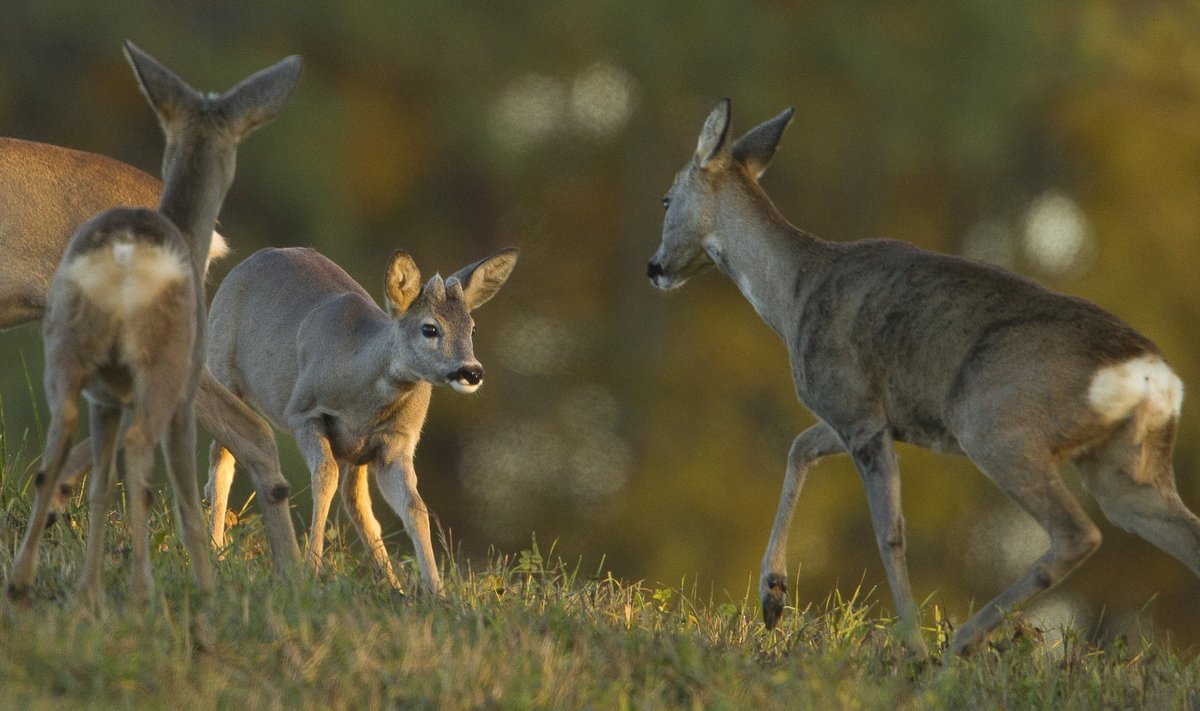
x=17, y=593
x=773, y=599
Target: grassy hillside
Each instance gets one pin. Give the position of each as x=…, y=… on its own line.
x=524, y=631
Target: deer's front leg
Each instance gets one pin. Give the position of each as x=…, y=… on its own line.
x=314, y=445
x=398, y=482
x=221, y=465
x=875, y=458
x=810, y=445
x=356, y=497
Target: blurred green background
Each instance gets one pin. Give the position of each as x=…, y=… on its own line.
x=1059, y=139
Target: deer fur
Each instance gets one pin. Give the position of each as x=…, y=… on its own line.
x=301, y=341
x=892, y=343
x=46, y=193
x=125, y=321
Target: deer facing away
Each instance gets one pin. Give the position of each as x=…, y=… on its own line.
x=46, y=193
x=300, y=340
x=890, y=343
x=125, y=321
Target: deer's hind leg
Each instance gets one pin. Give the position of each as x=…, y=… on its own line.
x=252, y=442
x=1025, y=470
x=63, y=396
x=105, y=428
x=1132, y=478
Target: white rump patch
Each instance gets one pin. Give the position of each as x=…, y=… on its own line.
x=1144, y=386
x=217, y=248
x=127, y=276
x=123, y=255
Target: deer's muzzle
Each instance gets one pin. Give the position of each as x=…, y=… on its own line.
x=467, y=378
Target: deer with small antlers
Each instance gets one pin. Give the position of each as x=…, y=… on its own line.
x=125, y=322
x=300, y=340
x=891, y=343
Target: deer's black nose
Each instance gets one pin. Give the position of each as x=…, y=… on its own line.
x=469, y=374
x=654, y=269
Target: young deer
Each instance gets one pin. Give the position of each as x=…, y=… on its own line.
x=125, y=320
x=892, y=343
x=300, y=340
x=46, y=194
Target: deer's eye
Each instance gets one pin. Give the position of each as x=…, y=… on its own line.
x=429, y=330
x=666, y=202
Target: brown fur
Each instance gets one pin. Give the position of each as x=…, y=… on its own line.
x=141, y=361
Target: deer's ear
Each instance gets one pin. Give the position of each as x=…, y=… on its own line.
x=757, y=147
x=169, y=96
x=480, y=281
x=261, y=96
x=402, y=283
x=712, y=149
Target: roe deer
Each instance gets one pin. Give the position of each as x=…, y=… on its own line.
x=125, y=319
x=889, y=343
x=299, y=339
x=46, y=193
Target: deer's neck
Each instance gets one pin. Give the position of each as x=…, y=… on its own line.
x=191, y=198
x=771, y=261
x=379, y=355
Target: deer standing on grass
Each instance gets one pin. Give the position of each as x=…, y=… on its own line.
x=890, y=343
x=125, y=321
x=46, y=193
x=299, y=339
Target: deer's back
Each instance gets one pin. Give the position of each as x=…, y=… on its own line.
x=46, y=193
x=259, y=312
x=895, y=332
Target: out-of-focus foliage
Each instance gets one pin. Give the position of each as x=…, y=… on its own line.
x=1059, y=139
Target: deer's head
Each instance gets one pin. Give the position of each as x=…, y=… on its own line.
x=433, y=322
x=712, y=194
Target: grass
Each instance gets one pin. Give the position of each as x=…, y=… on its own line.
x=524, y=631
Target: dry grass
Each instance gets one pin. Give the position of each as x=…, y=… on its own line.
x=520, y=632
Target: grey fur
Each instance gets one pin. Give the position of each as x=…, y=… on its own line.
x=140, y=362
x=302, y=342
x=893, y=343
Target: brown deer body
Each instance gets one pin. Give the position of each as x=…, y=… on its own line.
x=47, y=193
x=125, y=320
